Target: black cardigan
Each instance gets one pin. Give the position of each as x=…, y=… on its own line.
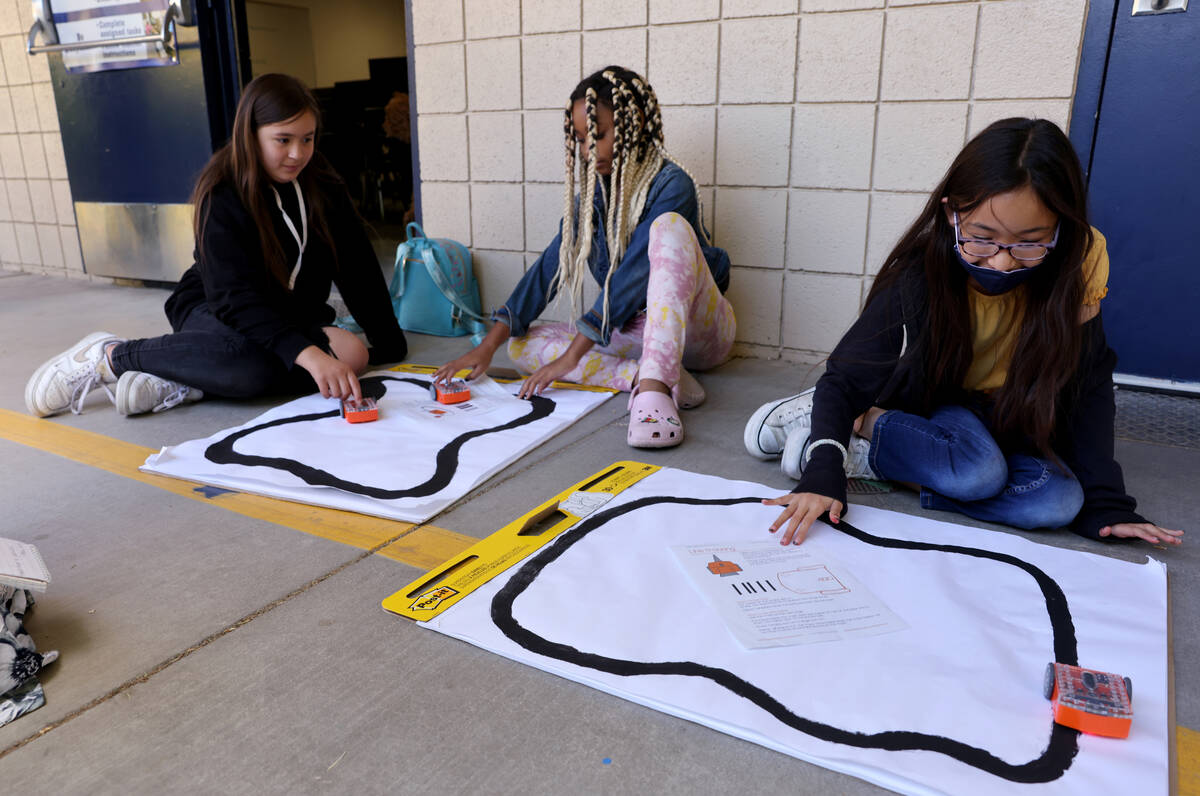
x=879, y=363
x=233, y=279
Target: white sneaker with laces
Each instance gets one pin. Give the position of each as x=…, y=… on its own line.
x=64, y=381
x=769, y=426
x=857, y=456
x=139, y=392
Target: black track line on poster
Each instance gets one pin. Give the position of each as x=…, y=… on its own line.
x=1049, y=766
x=222, y=451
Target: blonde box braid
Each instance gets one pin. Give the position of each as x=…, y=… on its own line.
x=577, y=230
x=638, y=156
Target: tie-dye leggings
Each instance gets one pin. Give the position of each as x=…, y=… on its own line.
x=687, y=321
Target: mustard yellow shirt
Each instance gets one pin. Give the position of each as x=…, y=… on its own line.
x=995, y=320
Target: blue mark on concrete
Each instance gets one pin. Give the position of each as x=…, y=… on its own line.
x=212, y=491
x=607, y=761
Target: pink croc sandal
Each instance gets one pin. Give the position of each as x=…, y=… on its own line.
x=653, y=420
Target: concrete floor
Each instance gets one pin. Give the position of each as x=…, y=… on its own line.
x=205, y=651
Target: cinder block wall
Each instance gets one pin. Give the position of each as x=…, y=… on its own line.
x=816, y=127
x=37, y=216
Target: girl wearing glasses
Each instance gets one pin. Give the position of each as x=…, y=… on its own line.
x=978, y=372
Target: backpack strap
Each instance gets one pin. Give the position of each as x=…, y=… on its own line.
x=396, y=288
x=437, y=273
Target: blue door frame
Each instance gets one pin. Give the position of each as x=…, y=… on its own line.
x=1134, y=123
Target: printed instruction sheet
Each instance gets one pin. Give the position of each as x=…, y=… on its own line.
x=770, y=595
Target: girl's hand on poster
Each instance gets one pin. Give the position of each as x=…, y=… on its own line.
x=334, y=378
x=545, y=376
x=478, y=359
x=549, y=373
x=1143, y=530
x=803, y=509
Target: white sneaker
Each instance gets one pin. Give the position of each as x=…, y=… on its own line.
x=139, y=392
x=769, y=426
x=64, y=381
x=857, y=456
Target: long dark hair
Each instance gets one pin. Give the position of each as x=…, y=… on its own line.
x=268, y=99
x=1009, y=155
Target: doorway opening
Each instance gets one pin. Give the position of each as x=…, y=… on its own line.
x=353, y=54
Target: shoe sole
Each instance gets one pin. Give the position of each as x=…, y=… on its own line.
x=790, y=455
x=669, y=442
x=797, y=439
x=127, y=385
x=754, y=427
x=123, y=391
x=32, y=384
x=664, y=442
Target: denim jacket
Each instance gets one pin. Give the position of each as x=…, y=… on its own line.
x=671, y=190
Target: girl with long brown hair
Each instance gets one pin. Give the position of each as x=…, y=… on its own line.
x=275, y=229
x=978, y=371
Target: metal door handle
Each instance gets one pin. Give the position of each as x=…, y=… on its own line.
x=173, y=13
x=1146, y=7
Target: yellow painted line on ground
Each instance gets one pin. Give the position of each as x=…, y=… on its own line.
x=427, y=547
x=1187, y=758
x=423, y=546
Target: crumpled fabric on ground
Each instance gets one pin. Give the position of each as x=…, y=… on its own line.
x=20, y=661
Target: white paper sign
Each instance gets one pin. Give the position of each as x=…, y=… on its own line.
x=771, y=595
x=108, y=20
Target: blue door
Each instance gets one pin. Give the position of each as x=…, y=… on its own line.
x=1136, y=120
x=135, y=139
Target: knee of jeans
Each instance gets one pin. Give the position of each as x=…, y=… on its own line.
x=1053, y=506
x=982, y=475
x=245, y=377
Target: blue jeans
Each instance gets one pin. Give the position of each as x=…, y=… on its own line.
x=207, y=354
x=959, y=467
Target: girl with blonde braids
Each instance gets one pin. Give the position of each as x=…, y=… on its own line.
x=660, y=307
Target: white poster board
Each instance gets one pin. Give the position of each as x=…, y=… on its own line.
x=417, y=458
x=952, y=703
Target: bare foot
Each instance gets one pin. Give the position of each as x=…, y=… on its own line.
x=653, y=385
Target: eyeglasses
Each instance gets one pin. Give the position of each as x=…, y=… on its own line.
x=1026, y=252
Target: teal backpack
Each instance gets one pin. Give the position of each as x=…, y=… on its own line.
x=433, y=288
